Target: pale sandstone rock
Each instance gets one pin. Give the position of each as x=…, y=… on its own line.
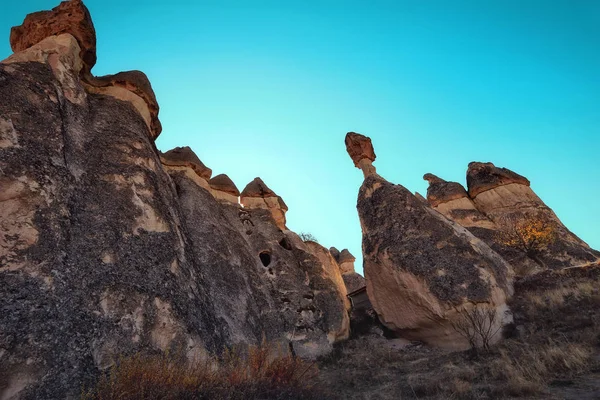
x=503, y=195
x=258, y=195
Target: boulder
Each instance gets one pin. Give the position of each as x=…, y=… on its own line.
x=423, y=271
x=485, y=176
x=223, y=188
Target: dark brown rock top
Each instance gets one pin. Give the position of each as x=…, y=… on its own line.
x=70, y=17
x=185, y=157
x=486, y=176
x=223, y=183
x=257, y=188
x=335, y=253
x=359, y=147
x=441, y=191
x=345, y=256
x=138, y=83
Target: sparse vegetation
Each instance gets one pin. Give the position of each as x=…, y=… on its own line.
x=530, y=234
x=307, y=237
x=254, y=374
x=479, y=326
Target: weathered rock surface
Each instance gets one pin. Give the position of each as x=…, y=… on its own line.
x=423, y=270
x=486, y=176
x=504, y=196
x=106, y=251
x=70, y=17
x=258, y=195
x=131, y=86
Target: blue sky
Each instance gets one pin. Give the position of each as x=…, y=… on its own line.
x=269, y=89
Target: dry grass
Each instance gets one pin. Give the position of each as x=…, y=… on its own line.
x=254, y=374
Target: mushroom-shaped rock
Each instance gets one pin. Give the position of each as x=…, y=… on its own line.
x=257, y=188
x=360, y=149
x=441, y=191
x=185, y=157
x=346, y=256
x=125, y=84
x=223, y=188
x=485, y=176
x=223, y=183
x=70, y=17
x=258, y=195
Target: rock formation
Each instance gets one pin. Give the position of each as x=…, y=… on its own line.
x=110, y=248
x=258, y=195
x=497, y=197
x=361, y=152
x=345, y=260
x=423, y=271
x=223, y=188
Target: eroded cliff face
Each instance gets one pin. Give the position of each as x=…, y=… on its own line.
x=106, y=251
x=423, y=272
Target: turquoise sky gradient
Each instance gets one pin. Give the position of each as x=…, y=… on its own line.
x=269, y=89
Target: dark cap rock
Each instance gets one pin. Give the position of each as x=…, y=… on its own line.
x=223, y=183
x=70, y=17
x=359, y=147
x=486, y=176
x=185, y=157
x=257, y=188
x=441, y=191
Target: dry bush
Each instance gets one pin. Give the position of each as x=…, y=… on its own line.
x=255, y=374
x=530, y=234
x=308, y=237
x=479, y=326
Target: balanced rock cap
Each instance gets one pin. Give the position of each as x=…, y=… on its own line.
x=486, y=176
x=185, y=157
x=359, y=147
x=223, y=183
x=257, y=188
x=441, y=191
x=70, y=17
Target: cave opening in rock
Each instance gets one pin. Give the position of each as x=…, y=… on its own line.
x=285, y=243
x=265, y=258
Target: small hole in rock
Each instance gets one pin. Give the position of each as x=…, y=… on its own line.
x=285, y=243
x=271, y=271
x=265, y=258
